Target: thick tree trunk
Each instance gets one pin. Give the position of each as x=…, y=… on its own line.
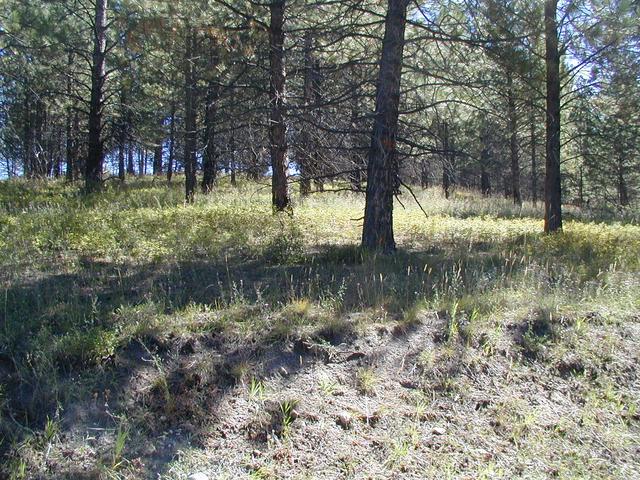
x=95, y=155
x=277, y=126
x=513, y=141
x=552, y=185
x=190, y=119
x=382, y=168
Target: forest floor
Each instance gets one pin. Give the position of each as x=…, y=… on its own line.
x=142, y=338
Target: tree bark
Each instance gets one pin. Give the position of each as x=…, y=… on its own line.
x=172, y=140
x=190, y=119
x=232, y=160
x=158, y=148
x=534, y=168
x=304, y=150
x=122, y=146
x=552, y=185
x=28, y=137
x=382, y=167
x=209, y=161
x=513, y=141
x=95, y=155
x=277, y=126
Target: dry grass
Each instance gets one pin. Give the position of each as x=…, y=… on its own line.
x=142, y=338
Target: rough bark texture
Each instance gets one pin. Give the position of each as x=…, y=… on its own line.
x=552, y=187
x=95, y=155
x=382, y=168
x=277, y=126
x=189, y=119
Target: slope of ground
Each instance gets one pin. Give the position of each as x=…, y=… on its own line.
x=142, y=338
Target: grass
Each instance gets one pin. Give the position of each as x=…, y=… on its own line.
x=158, y=310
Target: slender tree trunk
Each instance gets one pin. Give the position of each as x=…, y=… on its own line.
x=57, y=164
x=232, y=160
x=317, y=167
x=382, y=168
x=71, y=142
x=623, y=192
x=277, y=126
x=95, y=155
x=78, y=162
x=356, y=163
x=534, y=168
x=142, y=158
x=190, y=119
x=209, y=161
x=40, y=167
x=122, y=137
x=304, y=150
x=581, y=186
x=130, y=167
x=158, y=149
x=447, y=161
x=28, y=137
x=172, y=140
x=424, y=173
x=122, y=146
x=513, y=141
x=552, y=185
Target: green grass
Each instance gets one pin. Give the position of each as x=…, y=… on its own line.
x=87, y=280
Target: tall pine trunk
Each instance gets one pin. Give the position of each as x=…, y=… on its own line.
x=513, y=140
x=534, y=168
x=209, y=161
x=190, y=119
x=304, y=149
x=95, y=155
x=552, y=186
x=172, y=140
x=277, y=126
x=382, y=167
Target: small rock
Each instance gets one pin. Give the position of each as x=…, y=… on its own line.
x=198, y=476
x=407, y=383
x=344, y=419
x=284, y=371
x=438, y=431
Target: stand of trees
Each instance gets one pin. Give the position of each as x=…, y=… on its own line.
x=535, y=100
